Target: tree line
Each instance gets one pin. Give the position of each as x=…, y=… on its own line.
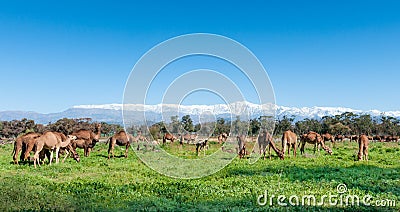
x=14, y=128
x=346, y=123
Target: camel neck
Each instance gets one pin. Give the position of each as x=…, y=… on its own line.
x=274, y=146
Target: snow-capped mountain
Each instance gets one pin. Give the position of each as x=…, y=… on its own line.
x=112, y=113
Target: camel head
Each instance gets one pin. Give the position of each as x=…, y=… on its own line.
x=328, y=150
x=281, y=155
x=71, y=137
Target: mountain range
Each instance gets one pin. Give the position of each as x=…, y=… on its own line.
x=112, y=113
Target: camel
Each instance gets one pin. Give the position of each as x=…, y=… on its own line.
x=339, y=138
x=313, y=138
x=242, y=145
x=121, y=139
x=289, y=139
x=90, y=139
x=392, y=138
x=377, y=138
x=21, y=143
x=168, y=136
x=265, y=139
x=201, y=145
x=328, y=137
x=52, y=141
x=222, y=138
x=363, y=147
x=352, y=137
x=188, y=137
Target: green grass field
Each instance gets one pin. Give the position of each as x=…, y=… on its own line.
x=123, y=184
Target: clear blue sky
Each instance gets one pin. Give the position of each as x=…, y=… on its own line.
x=55, y=54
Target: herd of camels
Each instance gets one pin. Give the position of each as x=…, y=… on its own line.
x=45, y=145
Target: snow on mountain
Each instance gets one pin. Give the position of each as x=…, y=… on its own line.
x=112, y=113
x=241, y=108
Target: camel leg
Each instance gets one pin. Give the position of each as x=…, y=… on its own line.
x=269, y=151
x=66, y=155
x=28, y=150
x=109, y=149
x=294, y=149
x=366, y=153
x=57, y=158
x=88, y=151
x=51, y=157
x=126, y=150
x=36, y=158
x=288, y=149
x=17, y=149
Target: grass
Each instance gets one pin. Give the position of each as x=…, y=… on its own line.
x=121, y=184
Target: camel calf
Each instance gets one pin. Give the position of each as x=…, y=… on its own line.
x=363, y=147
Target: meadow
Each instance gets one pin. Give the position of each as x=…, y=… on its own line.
x=122, y=184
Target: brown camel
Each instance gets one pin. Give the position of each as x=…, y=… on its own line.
x=188, y=137
x=289, y=139
x=339, y=137
x=53, y=142
x=22, y=143
x=328, y=137
x=168, y=136
x=121, y=139
x=363, y=147
x=222, y=138
x=265, y=139
x=313, y=138
x=89, y=137
x=352, y=137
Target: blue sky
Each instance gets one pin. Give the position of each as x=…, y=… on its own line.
x=54, y=55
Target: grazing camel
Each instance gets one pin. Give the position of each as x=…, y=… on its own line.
x=188, y=137
x=222, y=138
x=265, y=139
x=313, y=138
x=53, y=142
x=121, y=139
x=328, y=137
x=23, y=143
x=289, y=139
x=68, y=148
x=87, y=139
x=168, y=136
x=363, y=147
